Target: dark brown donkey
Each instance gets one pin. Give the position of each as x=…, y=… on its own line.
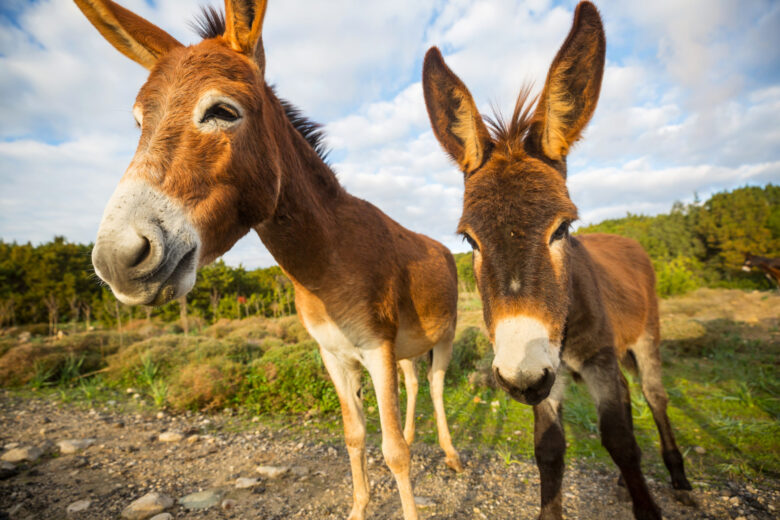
x=769, y=266
x=553, y=301
x=219, y=155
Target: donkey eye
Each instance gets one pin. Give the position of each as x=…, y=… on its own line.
x=222, y=112
x=471, y=241
x=561, y=232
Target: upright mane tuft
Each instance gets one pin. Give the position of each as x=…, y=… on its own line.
x=311, y=131
x=507, y=133
x=209, y=23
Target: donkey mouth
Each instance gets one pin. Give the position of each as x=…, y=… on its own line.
x=530, y=396
x=177, y=284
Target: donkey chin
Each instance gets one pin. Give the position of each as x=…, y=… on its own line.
x=146, y=250
x=526, y=361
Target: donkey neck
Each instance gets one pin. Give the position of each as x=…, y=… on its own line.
x=298, y=234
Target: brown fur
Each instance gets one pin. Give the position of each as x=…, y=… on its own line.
x=770, y=267
x=595, y=294
x=383, y=292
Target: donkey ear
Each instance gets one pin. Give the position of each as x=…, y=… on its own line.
x=244, y=27
x=572, y=88
x=455, y=119
x=133, y=36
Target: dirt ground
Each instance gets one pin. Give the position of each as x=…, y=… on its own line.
x=128, y=460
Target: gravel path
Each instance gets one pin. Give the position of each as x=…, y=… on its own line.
x=127, y=460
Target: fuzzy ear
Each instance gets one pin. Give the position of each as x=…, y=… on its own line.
x=244, y=27
x=133, y=36
x=572, y=88
x=455, y=119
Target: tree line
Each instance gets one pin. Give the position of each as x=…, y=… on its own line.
x=694, y=245
x=54, y=283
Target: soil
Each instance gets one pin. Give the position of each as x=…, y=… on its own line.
x=127, y=461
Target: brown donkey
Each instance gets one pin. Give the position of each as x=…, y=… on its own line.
x=551, y=300
x=220, y=154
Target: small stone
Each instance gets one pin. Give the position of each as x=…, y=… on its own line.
x=29, y=453
x=69, y=446
x=699, y=450
x=11, y=445
x=734, y=501
x=136, y=396
x=300, y=471
x=162, y=516
x=78, y=506
x=171, y=436
x=192, y=439
x=423, y=502
x=130, y=390
x=246, y=482
x=161, y=415
x=7, y=470
x=42, y=431
x=111, y=402
x=146, y=506
x=271, y=472
x=228, y=504
x=201, y=499
x=740, y=518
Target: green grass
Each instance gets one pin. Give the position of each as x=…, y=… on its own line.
x=720, y=371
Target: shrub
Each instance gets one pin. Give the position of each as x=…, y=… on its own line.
x=677, y=276
x=204, y=386
x=470, y=346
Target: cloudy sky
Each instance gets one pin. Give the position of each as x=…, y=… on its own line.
x=690, y=102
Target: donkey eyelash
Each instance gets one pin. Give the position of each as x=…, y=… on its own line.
x=471, y=241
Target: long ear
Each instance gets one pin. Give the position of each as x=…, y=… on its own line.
x=455, y=119
x=133, y=36
x=572, y=88
x=244, y=27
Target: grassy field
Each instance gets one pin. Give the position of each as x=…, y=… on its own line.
x=720, y=369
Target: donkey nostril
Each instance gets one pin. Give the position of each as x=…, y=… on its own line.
x=143, y=252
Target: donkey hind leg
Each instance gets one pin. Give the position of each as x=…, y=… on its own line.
x=442, y=353
x=347, y=380
x=648, y=360
x=549, y=449
x=605, y=383
x=381, y=365
x=409, y=369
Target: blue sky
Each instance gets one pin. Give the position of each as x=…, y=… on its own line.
x=690, y=102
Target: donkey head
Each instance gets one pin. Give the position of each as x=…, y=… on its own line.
x=206, y=168
x=516, y=208
x=749, y=262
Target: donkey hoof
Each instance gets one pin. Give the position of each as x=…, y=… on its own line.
x=453, y=461
x=622, y=494
x=685, y=497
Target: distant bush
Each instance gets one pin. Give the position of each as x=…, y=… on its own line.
x=677, y=276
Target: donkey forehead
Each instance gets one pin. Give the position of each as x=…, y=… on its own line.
x=524, y=199
x=199, y=68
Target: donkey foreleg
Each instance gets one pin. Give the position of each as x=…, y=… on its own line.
x=347, y=380
x=380, y=362
x=442, y=353
x=409, y=369
x=607, y=386
x=549, y=449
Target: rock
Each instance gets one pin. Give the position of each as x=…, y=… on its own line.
x=11, y=445
x=192, y=439
x=228, y=504
x=78, y=506
x=202, y=499
x=146, y=506
x=300, y=471
x=162, y=516
x=272, y=472
x=29, y=453
x=70, y=446
x=423, y=502
x=171, y=437
x=246, y=482
x=699, y=450
x=7, y=470
x=161, y=415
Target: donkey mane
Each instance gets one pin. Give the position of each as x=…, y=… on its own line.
x=210, y=23
x=508, y=133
